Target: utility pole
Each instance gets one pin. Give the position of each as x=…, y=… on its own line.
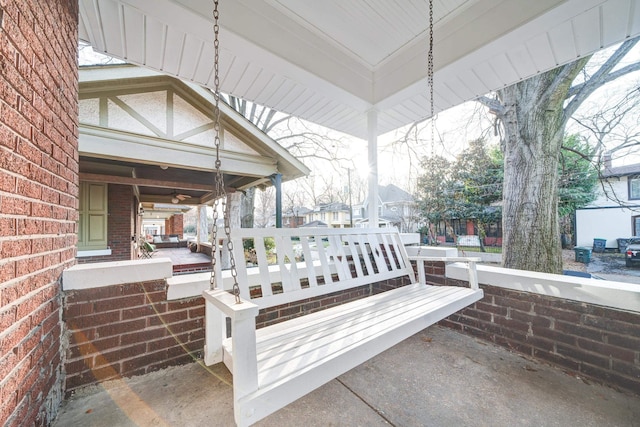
x=350, y=203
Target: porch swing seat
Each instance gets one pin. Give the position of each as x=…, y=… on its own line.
x=277, y=364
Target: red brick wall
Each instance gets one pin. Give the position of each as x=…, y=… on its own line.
x=38, y=199
x=121, y=225
x=174, y=225
x=177, y=225
x=591, y=341
x=125, y=330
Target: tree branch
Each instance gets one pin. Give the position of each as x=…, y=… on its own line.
x=602, y=76
x=493, y=104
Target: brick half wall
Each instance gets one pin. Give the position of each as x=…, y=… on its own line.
x=124, y=330
x=587, y=340
x=131, y=329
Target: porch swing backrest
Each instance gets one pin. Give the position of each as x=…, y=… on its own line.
x=287, y=265
x=275, y=365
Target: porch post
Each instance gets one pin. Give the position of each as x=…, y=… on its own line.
x=276, y=180
x=372, y=134
x=202, y=229
x=234, y=200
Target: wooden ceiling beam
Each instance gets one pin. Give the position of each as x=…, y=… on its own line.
x=144, y=182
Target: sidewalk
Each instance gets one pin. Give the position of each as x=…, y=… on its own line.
x=436, y=378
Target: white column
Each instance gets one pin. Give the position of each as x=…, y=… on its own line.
x=234, y=200
x=233, y=207
x=202, y=225
x=372, y=137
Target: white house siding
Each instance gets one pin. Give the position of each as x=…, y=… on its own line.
x=614, y=189
x=604, y=223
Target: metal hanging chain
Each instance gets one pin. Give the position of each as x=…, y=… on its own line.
x=220, y=192
x=430, y=79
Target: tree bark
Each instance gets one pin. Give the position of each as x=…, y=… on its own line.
x=247, y=207
x=534, y=123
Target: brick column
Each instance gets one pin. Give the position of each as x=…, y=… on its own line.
x=177, y=225
x=38, y=200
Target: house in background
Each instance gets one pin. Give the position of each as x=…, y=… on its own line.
x=335, y=215
x=615, y=213
x=396, y=208
x=294, y=217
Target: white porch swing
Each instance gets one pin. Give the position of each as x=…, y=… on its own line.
x=277, y=364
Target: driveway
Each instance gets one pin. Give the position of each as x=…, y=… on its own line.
x=611, y=266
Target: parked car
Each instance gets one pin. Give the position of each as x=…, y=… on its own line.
x=633, y=252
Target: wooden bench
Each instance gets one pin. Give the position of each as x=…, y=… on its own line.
x=277, y=364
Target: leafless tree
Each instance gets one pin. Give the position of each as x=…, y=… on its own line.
x=531, y=117
x=612, y=128
x=264, y=207
x=307, y=142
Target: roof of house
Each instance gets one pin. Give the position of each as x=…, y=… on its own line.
x=297, y=211
x=621, y=170
x=315, y=224
x=391, y=194
x=331, y=207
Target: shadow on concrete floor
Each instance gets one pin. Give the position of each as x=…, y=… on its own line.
x=438, y=377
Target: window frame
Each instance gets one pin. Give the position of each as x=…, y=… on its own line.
x=630, y=184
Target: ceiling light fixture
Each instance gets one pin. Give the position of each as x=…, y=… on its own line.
x=164, y=167
x=175, y=200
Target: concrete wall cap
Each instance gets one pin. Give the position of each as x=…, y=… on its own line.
x=96, y=275
x=619, y=295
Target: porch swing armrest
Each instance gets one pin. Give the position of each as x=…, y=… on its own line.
x=226, y=303
x=471, y=266
x=243, y=335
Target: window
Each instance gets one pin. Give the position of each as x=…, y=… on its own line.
x=335, y=216
x=494, y=229
x=92, y=223
x=459, y=226
x=634, y=187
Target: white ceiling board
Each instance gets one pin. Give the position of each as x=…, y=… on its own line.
x=154, y=37
x=634, y=18
x=615, y=20
x=541, y=52
x=587, y=31
x=329, y=60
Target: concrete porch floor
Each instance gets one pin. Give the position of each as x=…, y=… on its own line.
x=438, y=377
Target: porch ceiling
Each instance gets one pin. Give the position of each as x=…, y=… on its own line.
x=332, y=61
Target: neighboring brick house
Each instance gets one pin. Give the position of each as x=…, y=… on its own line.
x=615, y=214
x=294, y=217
